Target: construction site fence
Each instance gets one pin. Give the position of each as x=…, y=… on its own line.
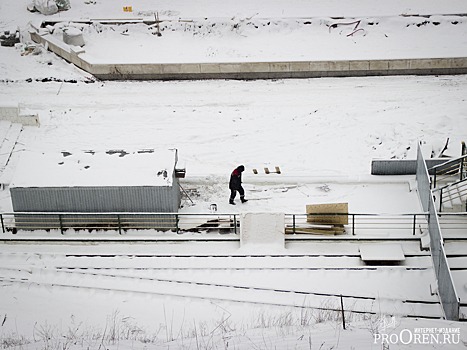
x=446, y=288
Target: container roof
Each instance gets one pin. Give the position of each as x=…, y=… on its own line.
x=96, y=168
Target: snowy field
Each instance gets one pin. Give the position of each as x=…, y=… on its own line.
x=323, y=133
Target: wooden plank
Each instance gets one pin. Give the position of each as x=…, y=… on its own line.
x=315, y=231
x=331, y=208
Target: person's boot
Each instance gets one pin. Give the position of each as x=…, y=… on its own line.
x=242, y=198
x=231, y=201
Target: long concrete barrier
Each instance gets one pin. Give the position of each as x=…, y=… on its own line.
x=253, y=70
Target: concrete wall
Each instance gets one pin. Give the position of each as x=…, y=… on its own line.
x=254, y=70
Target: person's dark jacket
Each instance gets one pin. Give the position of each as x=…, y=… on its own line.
x=236, y=178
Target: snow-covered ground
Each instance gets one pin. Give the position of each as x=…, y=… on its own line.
x=323, y=133
x=272, y=39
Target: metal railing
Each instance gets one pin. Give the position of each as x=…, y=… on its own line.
x=359, y=223
x=452, y=169
x=446, y=288
x=120, y=222
x=452, y=192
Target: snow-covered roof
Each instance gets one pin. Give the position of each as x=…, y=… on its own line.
x=101, y=168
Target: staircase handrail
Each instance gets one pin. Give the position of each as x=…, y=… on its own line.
x=453, y=161
x=460, y=160
x=450, y=185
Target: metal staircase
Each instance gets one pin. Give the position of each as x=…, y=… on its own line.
x=449, y=181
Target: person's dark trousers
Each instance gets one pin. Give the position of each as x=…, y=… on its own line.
x=233, y=193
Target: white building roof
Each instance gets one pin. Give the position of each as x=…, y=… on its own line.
x=90, y=169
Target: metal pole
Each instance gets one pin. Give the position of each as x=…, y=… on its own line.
x=414, y=223
x=342, y=310
x=462, y=169
x=293, y=227
x=235, y=223
x=3, y=227
x=119, y=225
x=353, y=224
x=176, y=224
x=440, y=200
x=61, y=223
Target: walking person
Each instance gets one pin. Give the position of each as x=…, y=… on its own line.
x=235, y=184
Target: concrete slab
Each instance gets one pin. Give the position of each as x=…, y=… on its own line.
x=381, y=252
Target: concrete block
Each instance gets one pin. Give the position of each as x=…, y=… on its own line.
x=85, y=65
x=399, y=64
x=123, y=68
x=12, y=113
x=381, y=252
x=359, y=65
x=319, y=66
x=339, y=65
x=77, y=50
x=151, y=68
x=441, y=63
x=180, y=68
x=76, y=60
x=460, y=62
x=172, y=68
x=299, y=66
x=255, y=67
x=429, y=63
x=279, y=67
x=73, y=36
x=28, y=119
x=262, y=229
x=191, y=68
x=230, y=67
x=54, y=43
x=139, y=68
x=379, y=65
x=210, y=68
x=8, y=112
x=100, y=69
